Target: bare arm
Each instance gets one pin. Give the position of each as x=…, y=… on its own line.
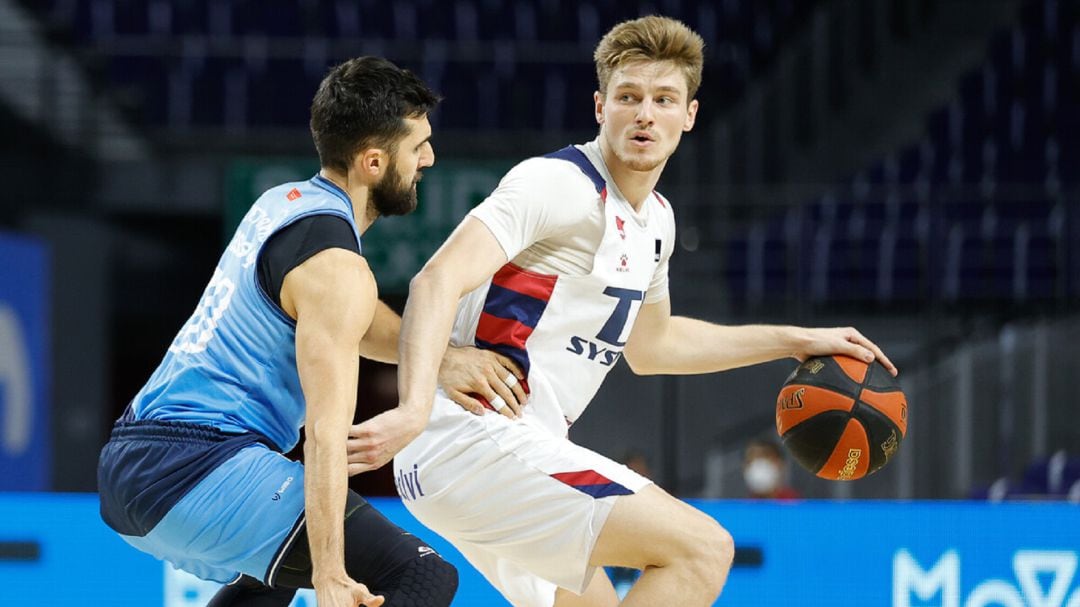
x=332, y=295
x=464, y=371
x=663, y=344
x=469, y=257
x=380, y=343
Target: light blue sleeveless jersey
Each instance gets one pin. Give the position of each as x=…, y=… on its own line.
x=233, y=364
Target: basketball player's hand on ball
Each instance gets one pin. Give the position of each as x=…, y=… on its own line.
x=345, y=592
x=840, y=340
x=469, y=374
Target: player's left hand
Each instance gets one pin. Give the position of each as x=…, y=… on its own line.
x=468, y=372
x=840, y=340
x=376, y=441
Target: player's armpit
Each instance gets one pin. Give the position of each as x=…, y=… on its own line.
x=380, y=343
x=644, y=349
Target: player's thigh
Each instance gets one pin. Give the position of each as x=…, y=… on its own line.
x=515, y=493
x=653, y=529
x=236, y=519
x=600, y=593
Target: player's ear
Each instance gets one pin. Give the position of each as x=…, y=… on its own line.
x=691, y=116
x=370, y=163
x=598, y=106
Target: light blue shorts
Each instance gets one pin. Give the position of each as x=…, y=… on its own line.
x=240, y=519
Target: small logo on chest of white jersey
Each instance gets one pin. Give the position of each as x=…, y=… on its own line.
x=619, y=225
x=624, y=263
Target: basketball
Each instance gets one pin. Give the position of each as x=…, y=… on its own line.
x=841, y=418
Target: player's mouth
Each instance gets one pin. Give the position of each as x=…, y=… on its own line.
x=642, y=139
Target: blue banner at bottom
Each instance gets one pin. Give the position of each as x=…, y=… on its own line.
x=54, y=550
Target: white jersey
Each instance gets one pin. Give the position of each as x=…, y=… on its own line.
x=583, y=263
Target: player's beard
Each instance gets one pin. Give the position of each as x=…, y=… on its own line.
x=641, y=163
x=392, y=195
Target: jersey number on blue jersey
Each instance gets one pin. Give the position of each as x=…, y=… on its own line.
x=200, y=328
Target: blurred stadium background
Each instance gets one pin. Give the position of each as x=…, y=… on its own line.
x=909, y=167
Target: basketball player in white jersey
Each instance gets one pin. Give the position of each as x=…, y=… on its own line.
x=564, y=270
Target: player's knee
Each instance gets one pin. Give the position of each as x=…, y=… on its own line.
x=708, y=555
x=426, y=580
x=720, y=552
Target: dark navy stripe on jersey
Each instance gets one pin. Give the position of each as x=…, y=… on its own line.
x=515, y=301
x=579, y=159
x=512, y=305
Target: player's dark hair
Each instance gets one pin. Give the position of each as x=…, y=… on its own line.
x=363, y=103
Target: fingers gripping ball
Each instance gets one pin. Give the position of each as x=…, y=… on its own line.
x=841, y=418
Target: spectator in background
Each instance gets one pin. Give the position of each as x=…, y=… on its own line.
x=765, y=471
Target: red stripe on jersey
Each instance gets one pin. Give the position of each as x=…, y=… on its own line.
x=659, y=199
x=603, y=195
x=582, y=478
x=502, y=331
x=525, y=282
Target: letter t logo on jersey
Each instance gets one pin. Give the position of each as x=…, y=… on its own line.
x=616, y=323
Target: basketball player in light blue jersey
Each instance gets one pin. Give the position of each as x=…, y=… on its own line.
x=194, y=472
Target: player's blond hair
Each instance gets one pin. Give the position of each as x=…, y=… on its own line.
x=651, y=38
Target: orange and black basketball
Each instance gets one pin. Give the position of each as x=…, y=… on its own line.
x=841, y=418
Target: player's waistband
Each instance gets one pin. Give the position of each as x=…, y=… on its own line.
x=151, y=429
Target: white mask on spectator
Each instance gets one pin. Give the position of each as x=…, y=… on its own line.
x=762, y=476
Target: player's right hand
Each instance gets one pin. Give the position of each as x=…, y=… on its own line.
x=470, y=372
x=345, y=592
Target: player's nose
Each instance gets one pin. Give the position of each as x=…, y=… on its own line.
x=427, y=157
x=645, y=112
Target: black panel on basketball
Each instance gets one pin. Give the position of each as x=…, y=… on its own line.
x=812, y=442
x=830, y=376
x=880, y=380
x=879, y=428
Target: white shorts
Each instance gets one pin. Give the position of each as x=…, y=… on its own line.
x=524, y=506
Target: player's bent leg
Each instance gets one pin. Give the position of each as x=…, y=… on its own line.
x=394, y=563
x=388, y=560
x=250, y=592
x=600, y=593
x=684, y=554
